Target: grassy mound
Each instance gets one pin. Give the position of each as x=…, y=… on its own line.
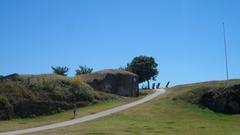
x=225, y=100
x=33, y=95
x=101, y=74
x=219, y=96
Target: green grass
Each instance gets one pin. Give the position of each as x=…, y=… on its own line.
x=163, y=115
x=15, y=124
x=22, y=123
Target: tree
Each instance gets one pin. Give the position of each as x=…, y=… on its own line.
x=83, y=70
x=145, y=67
x=60, y=70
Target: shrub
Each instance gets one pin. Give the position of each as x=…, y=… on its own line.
x=225, y=100
x=77, y=80
x=6, y=109
x=83, y=70
x=60, y=70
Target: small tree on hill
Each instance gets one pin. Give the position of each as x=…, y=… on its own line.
x=60, y=70
x=83, y=70
x=145, y=67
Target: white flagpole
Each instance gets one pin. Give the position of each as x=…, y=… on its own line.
x=225, y=46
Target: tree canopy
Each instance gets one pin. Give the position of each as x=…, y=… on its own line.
x=145, y=67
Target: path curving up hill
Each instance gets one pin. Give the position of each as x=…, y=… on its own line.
x=88, y=117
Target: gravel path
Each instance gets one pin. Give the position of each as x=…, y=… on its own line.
x=86, y=118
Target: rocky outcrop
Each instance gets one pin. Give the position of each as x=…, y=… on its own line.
x=113, y=81
x=224, y=100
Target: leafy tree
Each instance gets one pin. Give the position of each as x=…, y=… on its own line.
x=145, y=67
x=83, y=70
x=60, y=70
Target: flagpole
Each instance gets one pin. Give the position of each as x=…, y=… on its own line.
x=225, y=46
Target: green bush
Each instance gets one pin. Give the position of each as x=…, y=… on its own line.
x=6, y=109
x=60, y=70
x=83, y=70
x=224, y=100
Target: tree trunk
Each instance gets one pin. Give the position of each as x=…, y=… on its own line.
x=148, y=84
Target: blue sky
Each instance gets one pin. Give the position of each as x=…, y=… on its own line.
x=184, y=36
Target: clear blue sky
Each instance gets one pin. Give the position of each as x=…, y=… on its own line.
x=184, y=36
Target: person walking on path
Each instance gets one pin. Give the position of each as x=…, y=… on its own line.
x=74, y=110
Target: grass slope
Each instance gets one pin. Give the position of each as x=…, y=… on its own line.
x=219, y=96
x=164, y=115
x=34, y=95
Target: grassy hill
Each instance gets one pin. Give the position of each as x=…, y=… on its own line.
x=33, y=95
x=219, y=96
x=169, y=114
